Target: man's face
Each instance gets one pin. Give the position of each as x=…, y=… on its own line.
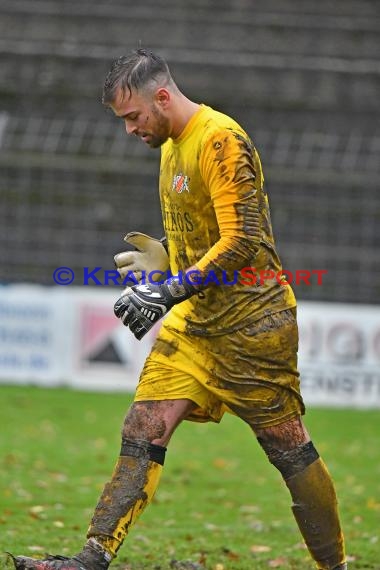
x=142, y=116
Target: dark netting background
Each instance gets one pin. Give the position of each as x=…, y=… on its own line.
x=302, y=78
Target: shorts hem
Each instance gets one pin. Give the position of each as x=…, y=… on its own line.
x=271, y=422
x=193, y=416
x=160, y=397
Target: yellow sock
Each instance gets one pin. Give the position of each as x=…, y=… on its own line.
x=133, y=484
x=316, y=512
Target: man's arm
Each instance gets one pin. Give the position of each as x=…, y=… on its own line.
x=231, y=169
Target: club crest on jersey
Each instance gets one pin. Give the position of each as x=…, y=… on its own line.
x=180, y=183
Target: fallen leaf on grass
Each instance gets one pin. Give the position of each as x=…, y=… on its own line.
x=210, y=526
x=256, y=525
x=249, y=509
x=35, y=548
x=373, y=504
x=37, y=512
x=142, y=538
x=300, y=546
x=58, y=477
x=230, y=554
x=36, y=509
x=277, y=562
x=256, y=548
x=220, y=463
x=185, y=565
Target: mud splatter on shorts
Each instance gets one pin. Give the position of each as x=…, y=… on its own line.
x=251, y=372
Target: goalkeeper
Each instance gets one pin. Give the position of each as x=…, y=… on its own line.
x=226, y=344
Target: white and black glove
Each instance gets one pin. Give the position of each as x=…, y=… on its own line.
x=149, y=260
x=141, y=306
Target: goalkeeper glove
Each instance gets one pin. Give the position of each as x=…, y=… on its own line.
x=150, y=256
x=141, y=306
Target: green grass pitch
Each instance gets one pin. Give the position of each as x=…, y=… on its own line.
x=219, y=501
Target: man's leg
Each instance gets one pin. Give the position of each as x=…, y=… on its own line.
x=315, y=509
x=147, y=430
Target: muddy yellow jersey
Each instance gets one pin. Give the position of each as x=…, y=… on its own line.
x=216, y=218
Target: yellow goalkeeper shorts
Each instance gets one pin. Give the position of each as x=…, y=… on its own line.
x=251, y=373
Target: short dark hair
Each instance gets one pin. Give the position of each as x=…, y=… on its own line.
x=134, y=71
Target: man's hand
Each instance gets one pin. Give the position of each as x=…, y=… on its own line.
x=141, y=306
x=150, y=256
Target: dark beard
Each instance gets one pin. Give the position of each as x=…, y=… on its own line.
x=162, y=129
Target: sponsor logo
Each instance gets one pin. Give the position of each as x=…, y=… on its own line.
x=180, y=183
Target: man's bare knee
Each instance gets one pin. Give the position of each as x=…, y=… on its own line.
x=155, y=421
x=285, y=436
x=288, y=447
x=143, y=422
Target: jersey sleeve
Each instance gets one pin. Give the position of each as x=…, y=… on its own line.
x=231, y=170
